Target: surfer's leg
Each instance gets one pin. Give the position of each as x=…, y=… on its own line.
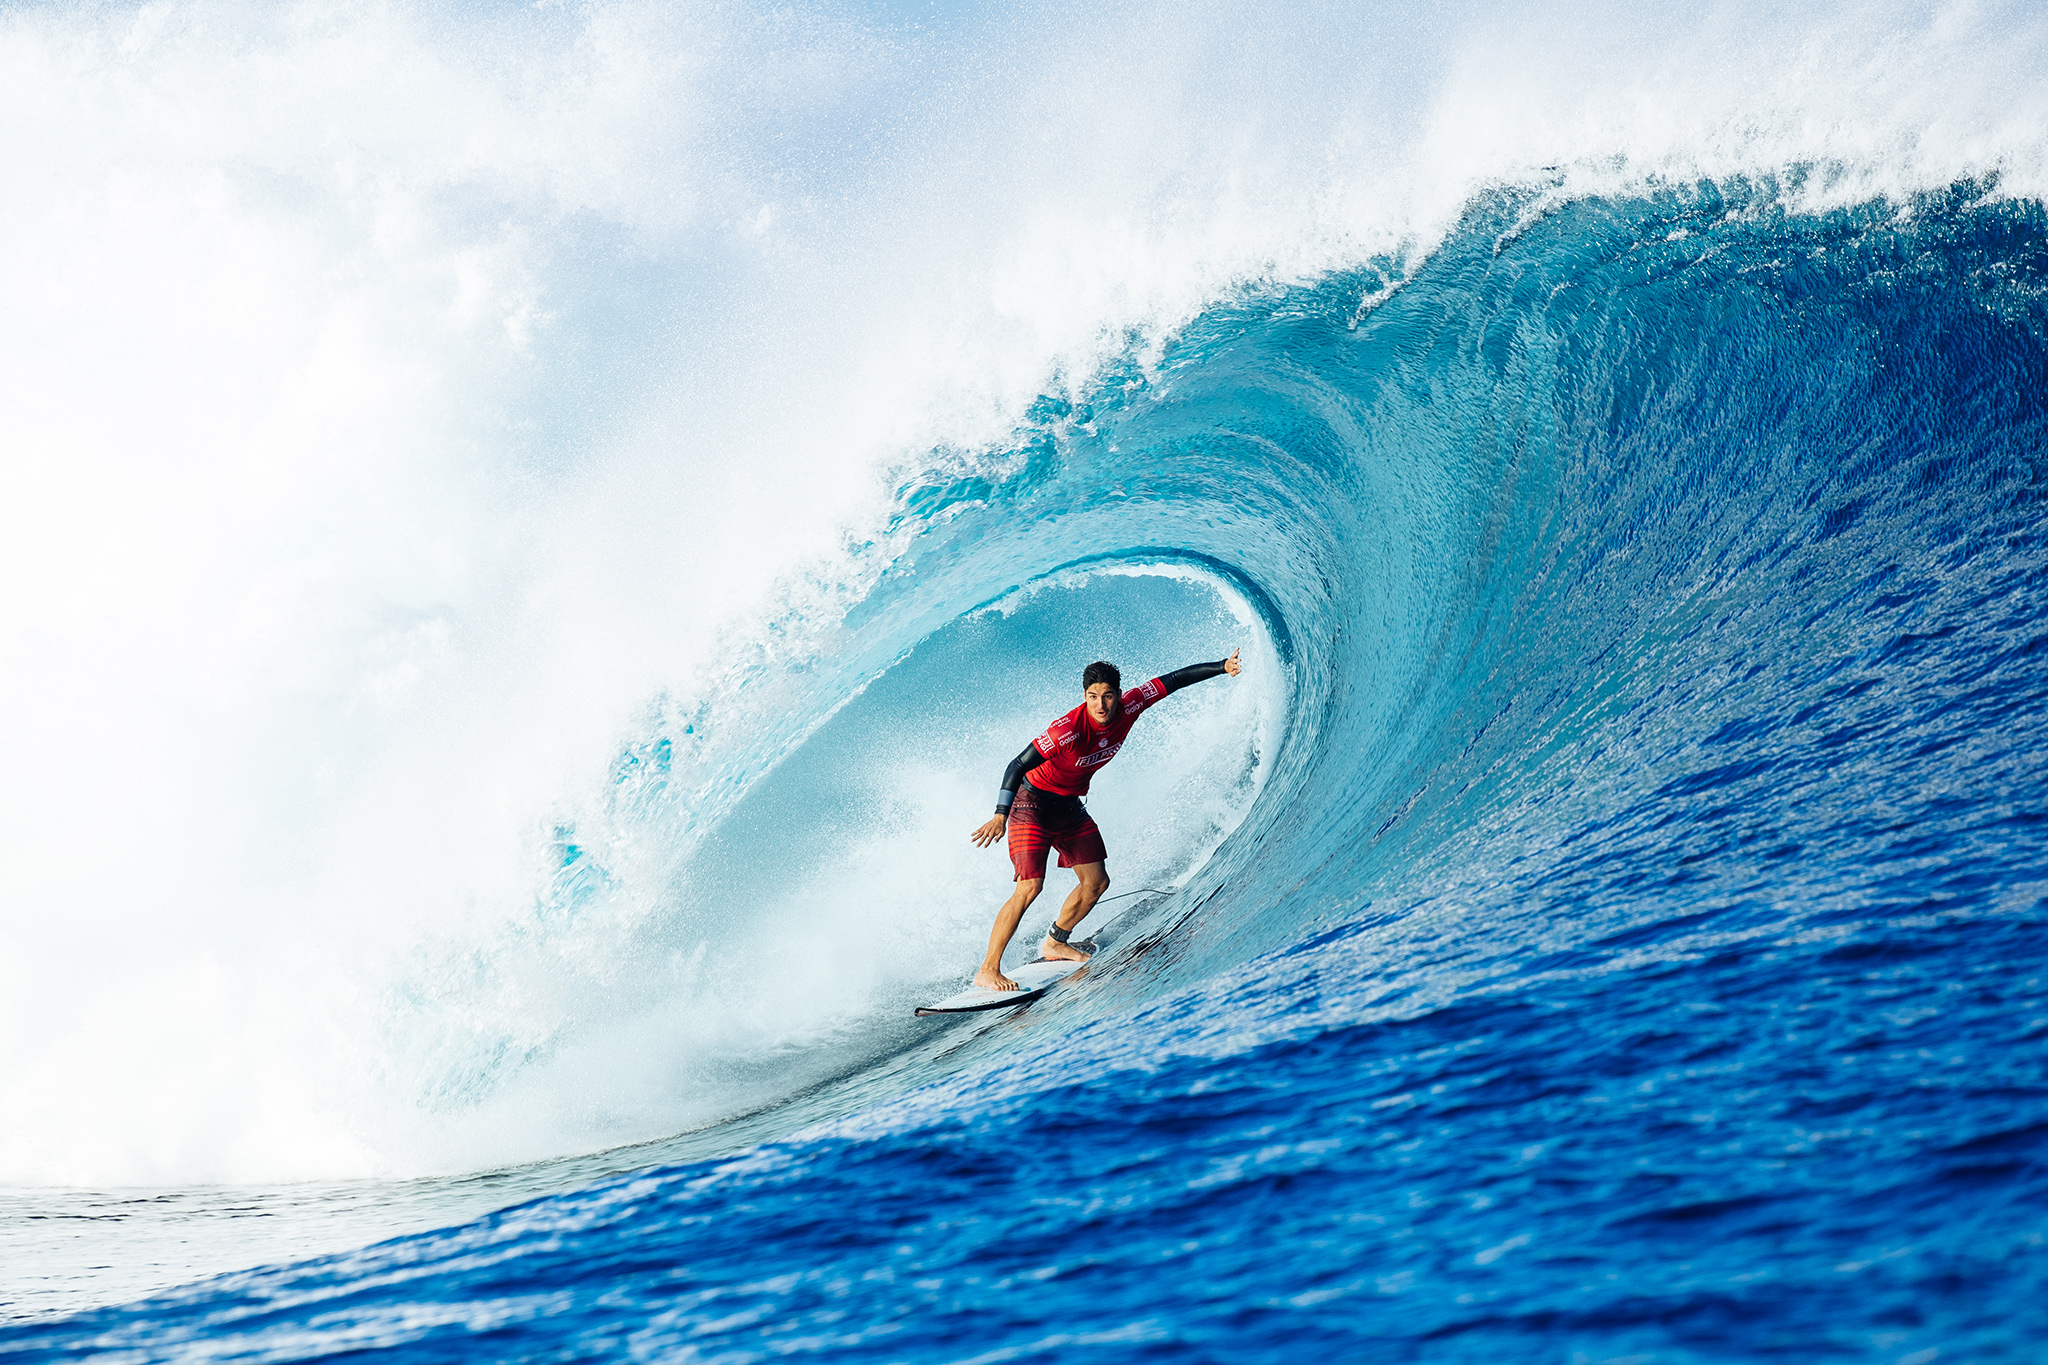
x=1094, y=881
x=991, y=973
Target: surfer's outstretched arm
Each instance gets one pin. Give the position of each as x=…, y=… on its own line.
x=1194, y=673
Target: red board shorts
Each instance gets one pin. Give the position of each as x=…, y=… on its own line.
x=1078, y=845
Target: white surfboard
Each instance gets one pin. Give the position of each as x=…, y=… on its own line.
x=1033, y=980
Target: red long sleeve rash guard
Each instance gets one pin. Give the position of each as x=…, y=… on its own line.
x=1062, y=761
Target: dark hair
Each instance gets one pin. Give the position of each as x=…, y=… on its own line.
x=1101, y=672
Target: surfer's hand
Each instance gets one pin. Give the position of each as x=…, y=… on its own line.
x=1232, y=666
x=989, y=832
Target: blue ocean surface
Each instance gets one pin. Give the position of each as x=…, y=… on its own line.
x=1630, y=945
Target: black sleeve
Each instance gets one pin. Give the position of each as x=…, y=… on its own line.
x=1193, y=673
x=1012, y=775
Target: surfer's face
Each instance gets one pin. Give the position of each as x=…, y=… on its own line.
x=1102, y=702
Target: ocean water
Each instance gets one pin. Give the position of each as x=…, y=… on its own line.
x=516, y=669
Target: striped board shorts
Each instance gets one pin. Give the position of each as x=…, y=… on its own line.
x=1079, y=843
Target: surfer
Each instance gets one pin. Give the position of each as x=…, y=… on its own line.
x=1040, y=805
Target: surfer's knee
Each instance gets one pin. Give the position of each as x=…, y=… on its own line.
x=1028, y=889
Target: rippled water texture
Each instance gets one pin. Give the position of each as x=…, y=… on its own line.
x=1636, y=949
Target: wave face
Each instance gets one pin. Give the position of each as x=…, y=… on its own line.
x=1618, y=927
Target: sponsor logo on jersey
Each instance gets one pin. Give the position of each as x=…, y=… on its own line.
x=1101, y=756
x=1151, y=690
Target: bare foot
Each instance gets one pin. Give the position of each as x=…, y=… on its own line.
x=989, y=979
x=1052, y=950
